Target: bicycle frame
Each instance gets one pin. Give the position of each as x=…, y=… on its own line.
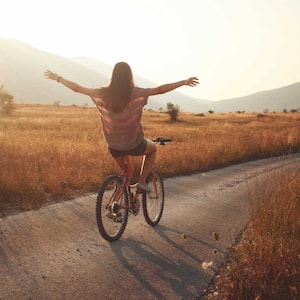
x=129, y=169
x=127, y=174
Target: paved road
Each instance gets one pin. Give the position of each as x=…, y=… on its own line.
x=57, y=252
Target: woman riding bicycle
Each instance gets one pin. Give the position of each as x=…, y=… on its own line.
x=121, y=105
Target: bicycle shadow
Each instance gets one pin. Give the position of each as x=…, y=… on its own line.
x=162, y=232
x=183, y=276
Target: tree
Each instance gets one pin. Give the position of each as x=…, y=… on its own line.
x=173, y=111
x=6, y=101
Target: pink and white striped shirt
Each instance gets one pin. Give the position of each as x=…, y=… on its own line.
x=122, y=131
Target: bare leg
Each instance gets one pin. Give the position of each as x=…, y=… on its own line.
x=148, y=160
x=129, y=168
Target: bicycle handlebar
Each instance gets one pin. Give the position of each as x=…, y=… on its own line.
x=162, y=140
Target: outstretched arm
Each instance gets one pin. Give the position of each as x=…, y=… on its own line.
x=192, y=81
x=69, y=84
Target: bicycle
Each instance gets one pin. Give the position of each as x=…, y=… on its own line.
x=117, y=199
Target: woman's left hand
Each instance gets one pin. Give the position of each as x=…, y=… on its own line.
x=192, y=81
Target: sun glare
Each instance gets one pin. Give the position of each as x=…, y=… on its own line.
x=235, y=49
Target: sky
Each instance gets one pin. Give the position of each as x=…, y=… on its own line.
x=234, y=47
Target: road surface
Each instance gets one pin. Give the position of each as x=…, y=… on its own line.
x=57, y=253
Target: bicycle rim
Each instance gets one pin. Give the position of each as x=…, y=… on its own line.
x=112, y=208
x=153, y=203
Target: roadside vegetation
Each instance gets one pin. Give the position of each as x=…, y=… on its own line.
x=265, y=264
x=6, y=102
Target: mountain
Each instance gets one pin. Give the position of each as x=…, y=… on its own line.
x=287, y=97
x=21, y=73
x=22, y=68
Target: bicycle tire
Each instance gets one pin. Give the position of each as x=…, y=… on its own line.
x=153, y=203
x=111, y=226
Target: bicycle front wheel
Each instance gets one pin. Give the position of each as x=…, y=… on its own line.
x=112, y=208
x=153, y=203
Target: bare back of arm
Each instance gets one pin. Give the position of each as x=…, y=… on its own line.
x=165, y=88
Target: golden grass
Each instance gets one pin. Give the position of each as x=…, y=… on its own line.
x=52, y=153
x=266, y=263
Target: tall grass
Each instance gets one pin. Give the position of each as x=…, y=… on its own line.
x=266, y=263
x=52, y=153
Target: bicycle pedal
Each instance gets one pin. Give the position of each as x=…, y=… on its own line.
x=118, y=218
x=136, y=207
x=109, y=214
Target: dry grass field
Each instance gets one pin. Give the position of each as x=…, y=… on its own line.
x=52, y=153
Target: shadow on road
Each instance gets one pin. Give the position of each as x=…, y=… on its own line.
x=156, y=272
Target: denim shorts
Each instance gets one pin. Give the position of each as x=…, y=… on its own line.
x=137, y=151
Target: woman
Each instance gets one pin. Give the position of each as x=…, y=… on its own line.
x=121, y=105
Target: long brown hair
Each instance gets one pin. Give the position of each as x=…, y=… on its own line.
x=119, y=90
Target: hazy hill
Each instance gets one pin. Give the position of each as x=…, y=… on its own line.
x=21, y=73
x=287, y=97
x=22, y=67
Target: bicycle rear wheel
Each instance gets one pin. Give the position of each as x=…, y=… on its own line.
x=153, y=203
x=112, y=208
